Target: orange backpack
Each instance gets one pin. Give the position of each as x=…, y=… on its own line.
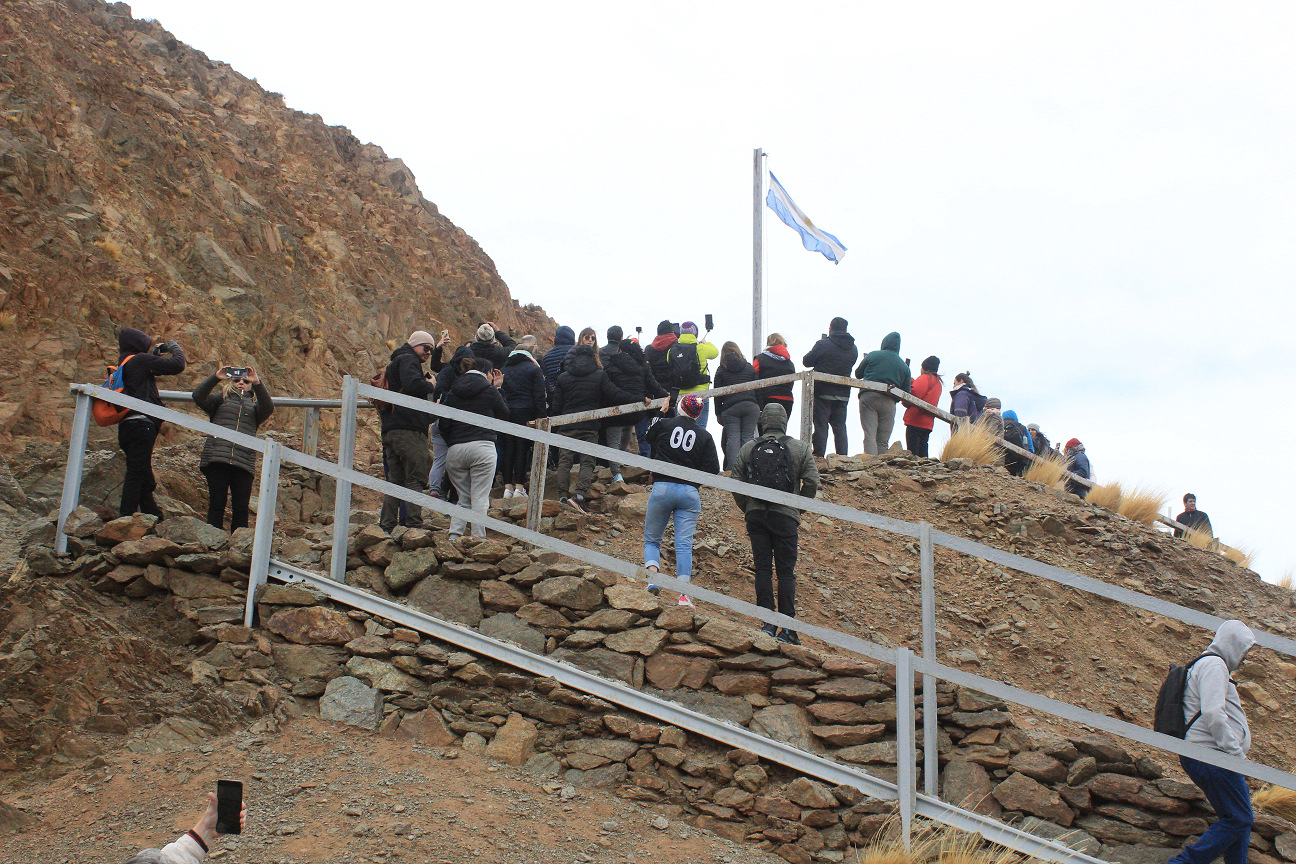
x=106, y=413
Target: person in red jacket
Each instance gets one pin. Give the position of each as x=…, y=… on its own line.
x=775, y=362
x=918, y=423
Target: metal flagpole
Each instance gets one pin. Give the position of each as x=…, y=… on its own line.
x=758, y=225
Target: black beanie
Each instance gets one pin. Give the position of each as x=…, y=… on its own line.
x=931, y=364
x=615, y=334
x=837, y=326
x=665, y=327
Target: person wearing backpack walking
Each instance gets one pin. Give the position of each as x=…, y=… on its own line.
x=405, y=431
x=737, y=412
x=136, y=432
x=1213, y=716
x=918, y=423
x=775, y=362
x=834, y=354
x=777, y=461
x=242, y=405
x=679, y=441
x=688, y=366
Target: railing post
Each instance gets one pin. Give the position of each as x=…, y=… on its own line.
x=267, y=502
x=539, y=467
x=310, y=431
x=905, y=754
x=75, y=468
x=926, y=563
x=346, y=461
x=807, y=406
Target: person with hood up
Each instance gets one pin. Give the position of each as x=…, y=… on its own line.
x=658, y=350
x=583, y=386
x=775, y=362
x=834, y=354
x=772, y=528
x=1077, y=464
x=137, y=433
x=877, y=410
x=1192, y=517
x=1215, y=719
x=1015, y=433
x=737, y=412
x=492, y=344
x=405, y=431
x=918, y=423
x=472, y=456
x=679, y=441
x=242, y=405
x=965, y=401
x=524, y=391
x=552, y=363
x=628, y=370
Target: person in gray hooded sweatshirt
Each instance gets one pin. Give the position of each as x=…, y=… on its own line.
x=1215, y=719
x=877, y=410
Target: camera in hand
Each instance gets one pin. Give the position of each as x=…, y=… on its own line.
x=237, y=373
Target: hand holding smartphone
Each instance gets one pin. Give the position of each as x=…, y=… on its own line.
x=229, y=806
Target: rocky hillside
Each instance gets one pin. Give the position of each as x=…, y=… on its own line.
x=144, y=184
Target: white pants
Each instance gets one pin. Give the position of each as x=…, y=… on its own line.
x=471, y=467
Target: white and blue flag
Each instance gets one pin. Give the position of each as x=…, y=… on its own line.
x=812, y=237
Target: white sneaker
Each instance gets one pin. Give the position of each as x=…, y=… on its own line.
x=685, y=601
x=508, y=493
x=520, y=492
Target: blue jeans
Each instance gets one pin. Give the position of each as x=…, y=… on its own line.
x=706, y=413
x=1231, y=833
x=641, y=435
x=684, y=503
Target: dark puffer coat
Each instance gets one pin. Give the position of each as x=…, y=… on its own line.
x=552, y=364
x=832, y=355
x=472, y=391
x=583, y=386
x=405, y=375
x=450, y=371
x=628, y=370
x=734, y=370
x=524, y=387
x=237, y=412
x=496, y=350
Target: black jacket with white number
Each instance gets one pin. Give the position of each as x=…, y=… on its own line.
x=681, y=441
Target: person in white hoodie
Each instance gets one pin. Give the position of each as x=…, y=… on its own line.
x=1215, y=719
x=191, y=846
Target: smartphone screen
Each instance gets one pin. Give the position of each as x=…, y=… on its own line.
x=710, y=323
x=229, y=802
x=674, y=397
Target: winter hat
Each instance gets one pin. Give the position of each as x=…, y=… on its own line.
x=132, y=341
x=485, y=333
x=993, y=402
x=665, y=327
x=420, y=337
x=1188, y=495
x=615, y=334
x=1034, y=427
x=1074, y=442
x=692, y=405
x=931, y=364
x=837, y=326
x=689, y=327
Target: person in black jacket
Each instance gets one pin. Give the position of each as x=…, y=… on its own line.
x=628, y=370
x=738, y=412
x=242, y=405
x=683, y=442
x=583, y=386
x=552, y=363
x=137, y=433
x=834, y=354
x=405, y=431
x=775, y=362
x=658, y=352
x=471, y=459
x=524, y=391
x=492, y=344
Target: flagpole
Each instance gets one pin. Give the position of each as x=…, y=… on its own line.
x=758, y=226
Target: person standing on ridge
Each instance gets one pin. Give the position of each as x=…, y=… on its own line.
x=738, y=411
x=658, y=350
x=877, y=410
x=524, y=391
x=834, y=354
x=242, y=405
x=1215, y=719
x=1015, y=433
x=472, y=457
x=629, y=371
x=777, y=461
x=1077, y=464
x=492, y=344
x=688, y=366
x=137, y=433
x=552, y=363
x=1039, y=441
x=918, y=423
x=965, y=400
x=775, y=362
x=405, y=431
x=1193, y=518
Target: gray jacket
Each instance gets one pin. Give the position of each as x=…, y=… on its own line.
x=237, y=412
x=772, y=423
x=1222, y=724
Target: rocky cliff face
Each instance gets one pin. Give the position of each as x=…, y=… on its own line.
x=143, y=184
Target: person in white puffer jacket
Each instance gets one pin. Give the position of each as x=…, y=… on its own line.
x=1215, y=719
x=190, y=847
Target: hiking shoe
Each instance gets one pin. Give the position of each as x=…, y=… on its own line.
x=770, y=629
x=576, y=502
x=617, y=478
x=654, y=589
x=685, y=601
x=789, y=636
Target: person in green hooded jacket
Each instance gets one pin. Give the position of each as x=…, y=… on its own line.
x=877, y=410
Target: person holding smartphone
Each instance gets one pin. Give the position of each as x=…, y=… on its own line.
x=192, y=846
x=242, y=404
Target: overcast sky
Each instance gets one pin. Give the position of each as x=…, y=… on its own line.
x=1091, y=207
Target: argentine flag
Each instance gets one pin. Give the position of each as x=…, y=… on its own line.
x=813, y=238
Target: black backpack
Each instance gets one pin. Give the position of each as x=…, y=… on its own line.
x=770, y=464
x=1016, y=433
x=682, y=361
x=1168, y=716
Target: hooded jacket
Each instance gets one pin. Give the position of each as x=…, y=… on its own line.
x=495, y=350
x=139, y=375
x=552, y=363
x=405, y=375
x=583, y=386
x=472, y=391
x=655, y=353
x=966, y=402
x=734, y=370
x=773, y=424
x=237, y=411
x=524, y=387
x=628, y=370
x=775, y=362
x=886, y=366
x=1222, y=724
x=450, y=371
x=926, y=387
x=833, y=355
x=681, y=441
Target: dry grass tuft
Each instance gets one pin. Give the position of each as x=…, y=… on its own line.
x=1287, y=580
x=931, y=843
x=8, y=320
x=971, y=441
x=1277, y=800
x=1050, y=470
x=109, y=247
x=1239, y=555
x=1199, y=537
x=1107, y=495
x=1142, y=504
